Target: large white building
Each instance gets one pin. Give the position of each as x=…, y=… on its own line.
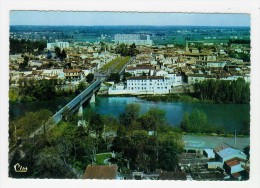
x=133, y=38
x=148, y=85
x=142, y=85
x=174, y=79
x=62, y=45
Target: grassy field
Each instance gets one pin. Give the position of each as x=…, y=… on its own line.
x=101, y=157
x=116, y=64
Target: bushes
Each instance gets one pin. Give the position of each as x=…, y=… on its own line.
x=197, y=122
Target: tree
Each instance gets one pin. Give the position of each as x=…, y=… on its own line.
x=170, y=144
x=195, y=122
x=152, y=119
x=82, y=86
x=114, y=77
x=45, y=119
x=96, y=124
x=126, y=75
x=49, y=164
x=25, y=62
x=57, y=51
x=90, y=77
x=49, y=55
x=130, y=115
x=63, y=54
x=132, y=50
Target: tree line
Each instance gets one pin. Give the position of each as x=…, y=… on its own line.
x=26, y=46
x=222, y=91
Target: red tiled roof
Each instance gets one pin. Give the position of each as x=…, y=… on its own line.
x=232, y=163
x=100, y=172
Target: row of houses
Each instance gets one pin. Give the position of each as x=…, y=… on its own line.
x=71, y=75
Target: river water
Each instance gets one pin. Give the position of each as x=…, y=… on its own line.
x=229, y=116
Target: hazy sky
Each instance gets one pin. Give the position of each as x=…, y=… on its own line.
x=120, y=18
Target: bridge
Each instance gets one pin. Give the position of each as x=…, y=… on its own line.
x=72, y=106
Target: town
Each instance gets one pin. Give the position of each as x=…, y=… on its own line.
x=133, y=65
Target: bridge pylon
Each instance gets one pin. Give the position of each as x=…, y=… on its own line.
x=93, y=98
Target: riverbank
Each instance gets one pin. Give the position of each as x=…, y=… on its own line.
x=174, y=97
x=202, y=142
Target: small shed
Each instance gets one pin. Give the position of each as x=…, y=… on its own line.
x=209, y=153
x=214, y=165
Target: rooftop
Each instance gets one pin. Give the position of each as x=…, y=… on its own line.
x=100, y=172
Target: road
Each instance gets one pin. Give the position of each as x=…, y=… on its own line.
x=201, y=142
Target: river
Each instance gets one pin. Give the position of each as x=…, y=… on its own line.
x=229, y=116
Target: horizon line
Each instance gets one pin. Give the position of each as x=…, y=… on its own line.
x=135, y=25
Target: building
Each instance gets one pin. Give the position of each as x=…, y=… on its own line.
x=133, y=38
x=174, y=79
x=209, y=153
x=233, y=166
x=73, y=74
x=35, y=63
x=140, y=70
x=108, y=172
x=214, y=165
x=51, y=46
x=230, y=153
x=216, y=64
x=148, y=85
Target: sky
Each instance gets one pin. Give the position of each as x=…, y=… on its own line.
x=121, y=18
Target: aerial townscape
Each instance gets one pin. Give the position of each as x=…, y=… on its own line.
x=129, y=102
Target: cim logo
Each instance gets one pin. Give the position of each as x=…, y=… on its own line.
x=19, y=168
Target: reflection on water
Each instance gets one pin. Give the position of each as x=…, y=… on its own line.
x=230, y=116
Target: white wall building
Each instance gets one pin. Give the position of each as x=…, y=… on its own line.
x=174, y=79
x=62, y=45
x=140, y=70
x=148, y=85
x=142, y=85
x=133, y=38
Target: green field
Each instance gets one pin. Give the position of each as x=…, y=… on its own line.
x=101, y=157
x=115, y=65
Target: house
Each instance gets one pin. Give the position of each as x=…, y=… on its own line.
x=73, y=74
x=216, y=64
x=35, y=63
x=140, y=70
x=233, y=166
x=193, y=78
x=108, y=172
x=209, y=153
x=230, y=153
